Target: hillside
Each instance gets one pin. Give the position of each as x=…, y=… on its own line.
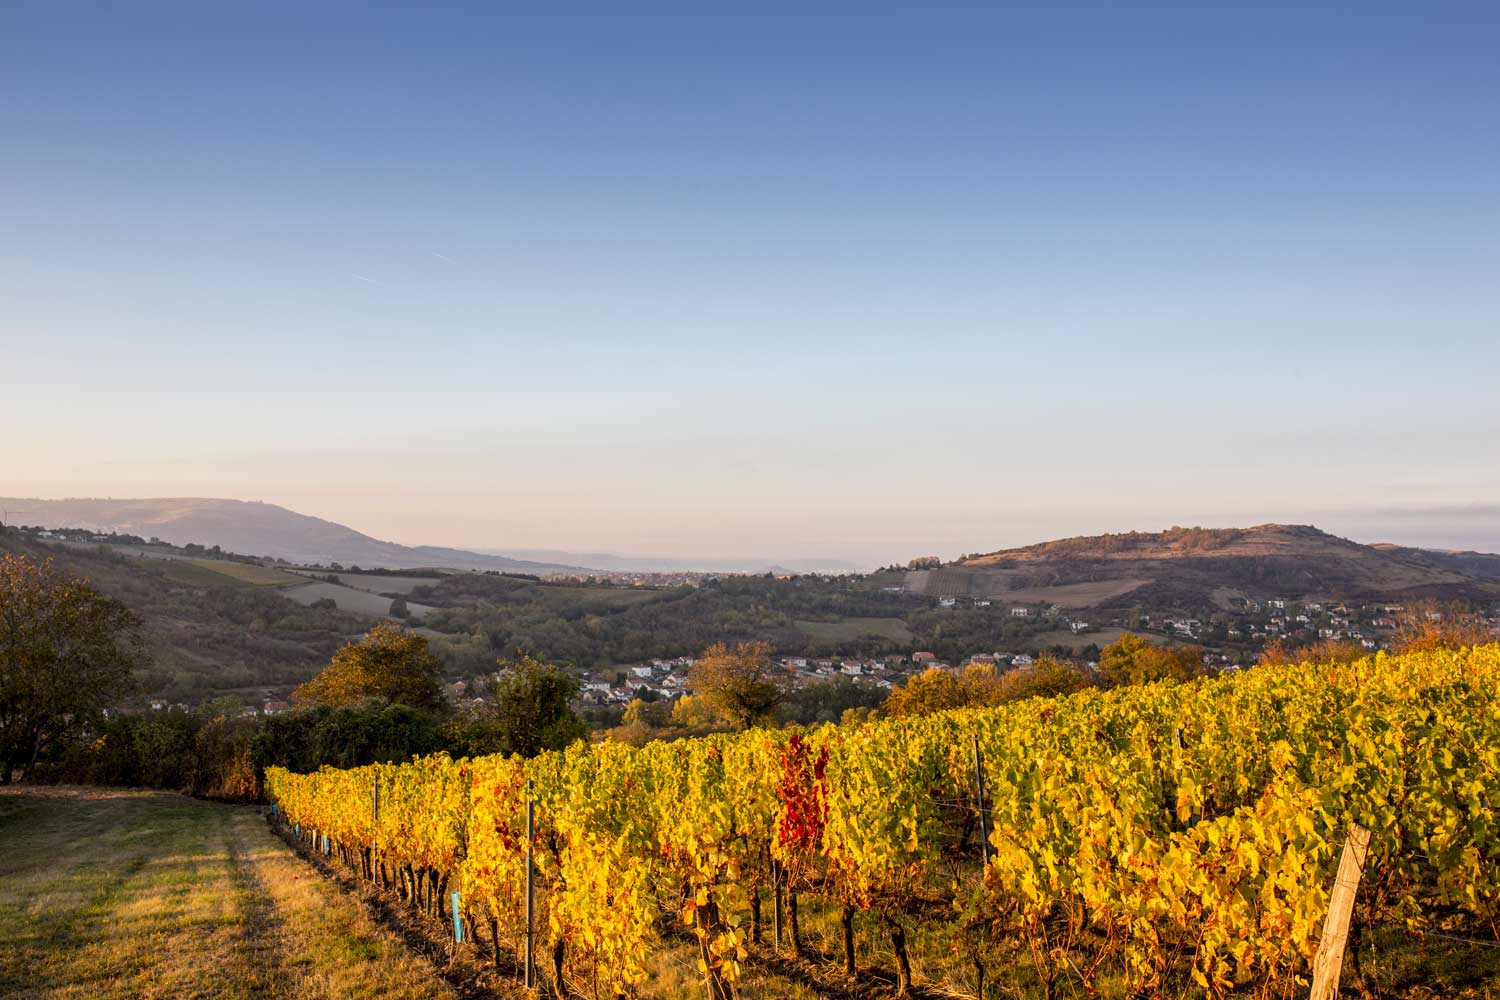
x=1200, y=567
x=254, y=528
x=209, y=627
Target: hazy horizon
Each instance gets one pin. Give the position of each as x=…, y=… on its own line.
x=840, y=284
x=1473, y=528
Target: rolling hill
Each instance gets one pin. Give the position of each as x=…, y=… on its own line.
x=208, y=626
x=260, y=529
x=1201, y=567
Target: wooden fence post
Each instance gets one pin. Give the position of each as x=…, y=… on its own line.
x=984, y=819
x=375, y=830
x=530, y=890
x=1329, y=960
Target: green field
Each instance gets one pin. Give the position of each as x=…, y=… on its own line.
x=849, y=629
x=1076, y=640
x=375, y=583
x=219, y=573
x=360, y=602
x=620, y=597
x=124, y=894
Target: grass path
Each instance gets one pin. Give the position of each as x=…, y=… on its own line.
x=116, y=894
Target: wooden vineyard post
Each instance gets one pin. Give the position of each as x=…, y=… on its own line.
x=375, y=829
x=984, y=819
x=530, y=890
x=776, y=900
x=1329, y=960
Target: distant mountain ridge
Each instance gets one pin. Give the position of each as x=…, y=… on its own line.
x=1209, y=566
x=266, y=529
x=259, y=529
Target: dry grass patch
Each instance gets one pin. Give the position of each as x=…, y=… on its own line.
x=137, y=894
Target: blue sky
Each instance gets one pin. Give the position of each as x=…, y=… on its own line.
x=851, y=282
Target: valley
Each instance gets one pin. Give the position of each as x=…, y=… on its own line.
x=251, y=626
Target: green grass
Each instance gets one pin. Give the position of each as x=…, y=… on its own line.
x=1100, y=637
x=220, y=573
x=849, y=629
x=619, y=597
x=123, y=894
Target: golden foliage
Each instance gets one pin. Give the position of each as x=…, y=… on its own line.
x=1281, y=652
x=740, y=682
x=983, y=685
x=1197, y=825
x=1132, y=659
x=933, y=690
x=1430, y=625
x=388, y=665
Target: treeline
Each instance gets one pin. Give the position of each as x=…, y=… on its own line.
x=598, y=626
x=378, y=700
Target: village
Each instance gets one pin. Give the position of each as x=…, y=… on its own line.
x=1231, y=641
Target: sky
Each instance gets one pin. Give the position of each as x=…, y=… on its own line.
x=816, y=280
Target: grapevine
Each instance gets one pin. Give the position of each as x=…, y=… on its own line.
x=1192, y=862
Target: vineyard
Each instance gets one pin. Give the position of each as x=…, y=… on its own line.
x=1155, y=841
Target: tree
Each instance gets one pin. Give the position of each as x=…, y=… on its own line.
x=399, y=608
x=933, y=690
x=347, y=736
x=1048, y=677
x=981, y=684
x=527, y=710
x=1429, y=625
x=389, y=666
x=1323, y=651
x=694, y=712
x=641, y=722
x=66, y=651
x=1131, y=659
x=827, y=701
x=739, y=681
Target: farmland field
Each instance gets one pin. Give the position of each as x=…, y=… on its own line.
x=1001, y=585
x=379, y=583
x=348, y=599
x=124, y=894
x=217, y=572
x=198, y=572
x=622, y=597
x=849, y=629
x=1077, y=640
